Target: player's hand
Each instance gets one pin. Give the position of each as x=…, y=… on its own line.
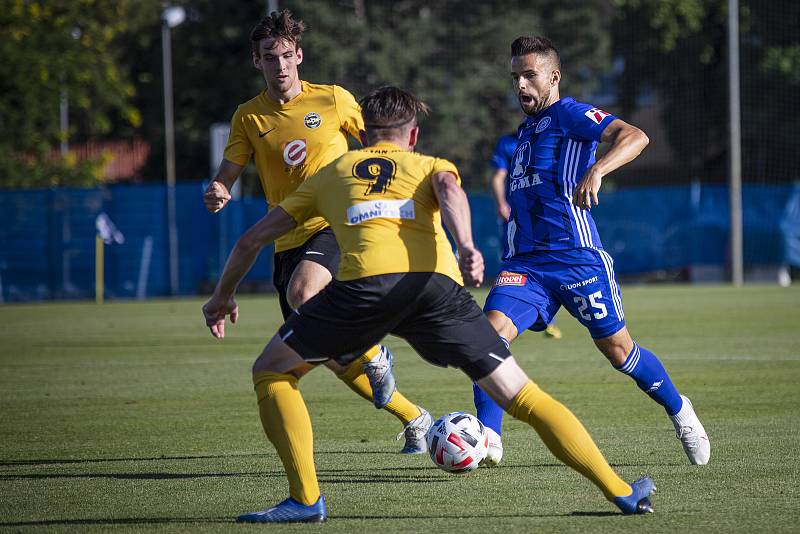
x=470, y=263
x=215, y=311
x=586, y=192
x=504, y=210
x=216, y=196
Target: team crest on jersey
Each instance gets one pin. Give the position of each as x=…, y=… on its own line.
x=543, y=124
x=312, y=120
x=522, y=157
x=506, y=278
x=294, y=152
x=597, y=115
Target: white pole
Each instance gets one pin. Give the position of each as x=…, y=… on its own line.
x=169, y=135
x=144, y=268
x=735, y=180
x=63, y=121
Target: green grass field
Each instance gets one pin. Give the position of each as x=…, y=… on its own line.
x=131, y=417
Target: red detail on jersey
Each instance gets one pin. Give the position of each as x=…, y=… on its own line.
x=506, y=278
x=457, y=441
x=463, y=463
x=597, y=115
x=294, y=153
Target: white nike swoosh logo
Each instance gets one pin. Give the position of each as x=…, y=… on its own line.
x=496, y=357
x=313, y=252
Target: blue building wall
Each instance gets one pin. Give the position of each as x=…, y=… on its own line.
x=47, y=241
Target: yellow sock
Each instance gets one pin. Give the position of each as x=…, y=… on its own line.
x=286, y=422
x=566, y=438
x=357, y=380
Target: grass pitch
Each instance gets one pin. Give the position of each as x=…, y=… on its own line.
x=131, y=417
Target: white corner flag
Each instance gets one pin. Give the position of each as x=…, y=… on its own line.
x=107, y=230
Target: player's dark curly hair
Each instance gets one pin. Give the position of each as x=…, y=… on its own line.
x=278, y=25
x=535, y=45
x=387, y=109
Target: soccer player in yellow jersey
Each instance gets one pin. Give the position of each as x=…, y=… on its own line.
x=398, y=274
x=291, y=130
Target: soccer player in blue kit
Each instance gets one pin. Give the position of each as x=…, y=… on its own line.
x=553, y=254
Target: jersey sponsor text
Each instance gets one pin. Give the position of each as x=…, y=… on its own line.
x=567, y=287
x=380, y=209
x=525, y=182
x=506, y=278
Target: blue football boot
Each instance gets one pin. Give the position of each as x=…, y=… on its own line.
x=637, y=502
x=289, y=511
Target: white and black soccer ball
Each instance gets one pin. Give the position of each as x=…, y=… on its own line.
x=457, y=442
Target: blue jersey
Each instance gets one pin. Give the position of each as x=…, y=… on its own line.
x=555, y=148
x=504, y=151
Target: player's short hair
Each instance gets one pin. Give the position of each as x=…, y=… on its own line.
x=389, y=109
x=536, y=45
x=277, y=25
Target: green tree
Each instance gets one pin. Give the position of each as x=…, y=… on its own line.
x=453, y=54
x=50, y=48
x=679, y=48
x=212, y=74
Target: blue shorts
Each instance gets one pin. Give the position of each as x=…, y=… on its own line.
x=532, y=287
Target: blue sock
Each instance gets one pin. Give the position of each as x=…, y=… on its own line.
x=651, y=377
x=489, y=412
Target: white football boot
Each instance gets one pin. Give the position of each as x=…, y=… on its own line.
x=690, y=431
x=415, y=431
x=495, y=451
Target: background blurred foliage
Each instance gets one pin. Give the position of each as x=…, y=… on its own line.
x=679, y=47
x=52, y=46
x=454, y=54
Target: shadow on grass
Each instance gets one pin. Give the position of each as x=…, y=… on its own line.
x=56, y=461
x=338, y=477
x=121, y=521
x=471, y=516
x=212, y=520
x=140, y=476
x=595, y=514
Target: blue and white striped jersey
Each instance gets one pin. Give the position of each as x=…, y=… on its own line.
x=556, y=147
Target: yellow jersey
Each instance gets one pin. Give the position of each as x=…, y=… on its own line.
x=292, y=141
x=380, y=203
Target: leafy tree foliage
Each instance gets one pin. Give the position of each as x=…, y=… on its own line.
x=679, y=47
x=50, y=48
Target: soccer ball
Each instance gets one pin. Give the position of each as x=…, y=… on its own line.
x=457, y=442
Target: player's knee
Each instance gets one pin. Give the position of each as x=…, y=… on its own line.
x=297, y=295
x=502, y=324
x=616, y=347
x=614, y=352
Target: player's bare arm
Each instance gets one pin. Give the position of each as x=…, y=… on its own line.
x=627, y=142
x=498, y=183
x=456, y=217
x=244, y=254
x=218, y=192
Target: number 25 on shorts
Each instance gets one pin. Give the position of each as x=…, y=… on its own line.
x=600, y=308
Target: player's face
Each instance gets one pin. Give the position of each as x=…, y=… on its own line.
x=278, y=63
x=535, y=81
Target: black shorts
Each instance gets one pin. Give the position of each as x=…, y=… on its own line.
x=437, y=317
x=320, y=248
